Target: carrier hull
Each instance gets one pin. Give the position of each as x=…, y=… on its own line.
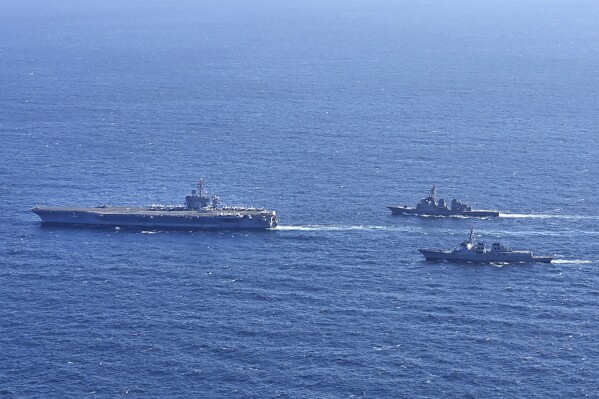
x=144, y=218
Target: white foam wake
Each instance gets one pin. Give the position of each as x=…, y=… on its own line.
x=545, y=216
x=572, y=261
x=316, y=227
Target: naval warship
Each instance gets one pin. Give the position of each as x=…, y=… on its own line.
x=470, y=251
x=430, y=206
x=200, y=212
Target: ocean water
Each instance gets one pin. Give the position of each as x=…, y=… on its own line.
x=326, y=112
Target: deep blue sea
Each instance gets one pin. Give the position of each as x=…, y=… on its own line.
x=325, y=111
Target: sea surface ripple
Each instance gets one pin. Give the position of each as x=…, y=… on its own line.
x=326, y=112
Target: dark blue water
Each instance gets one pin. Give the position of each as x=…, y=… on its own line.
x=325, y=113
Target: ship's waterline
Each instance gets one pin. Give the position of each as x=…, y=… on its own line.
x=478, y=252
x=431, y=206
x=199, y=213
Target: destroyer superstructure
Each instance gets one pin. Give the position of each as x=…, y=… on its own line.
x=431, y=206
x=471, y=251
x=200, y=212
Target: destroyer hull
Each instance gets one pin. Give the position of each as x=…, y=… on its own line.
x=401, y=210
x=145, y=219
x=502, y=257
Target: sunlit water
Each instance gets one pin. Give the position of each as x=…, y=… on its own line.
x=326, y=113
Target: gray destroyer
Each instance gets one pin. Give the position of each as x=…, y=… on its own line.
x=471, y=251
x=200, y=212
x=430, y=206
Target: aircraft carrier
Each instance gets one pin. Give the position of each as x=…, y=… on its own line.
x=200, y=212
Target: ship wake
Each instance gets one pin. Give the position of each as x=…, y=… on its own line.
x=572, y=261
x=341, y=228
x=546, y=216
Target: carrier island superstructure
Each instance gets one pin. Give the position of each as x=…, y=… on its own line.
x=200, y=212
